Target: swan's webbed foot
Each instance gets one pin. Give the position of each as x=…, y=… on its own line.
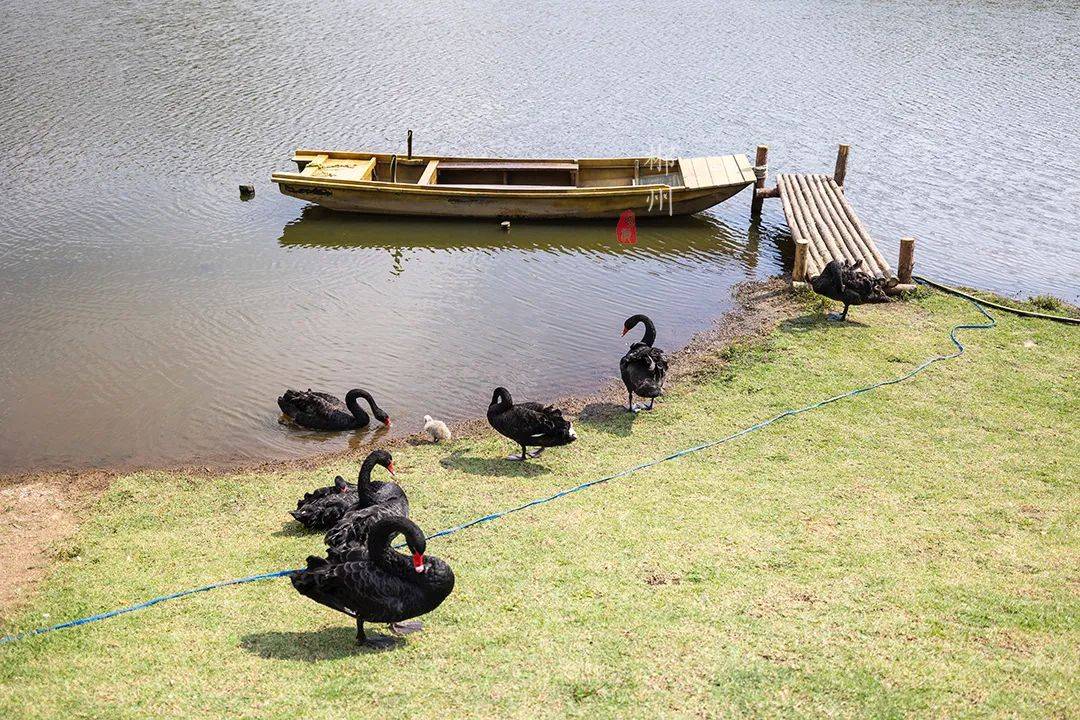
x=835, y=317
x=406, y=628
x=515, y=457
x=374, y=642
x=650, y=405
x=380, y=642
x=633, y=408
x=536, y=453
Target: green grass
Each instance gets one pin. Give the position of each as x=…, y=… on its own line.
x=909, y=552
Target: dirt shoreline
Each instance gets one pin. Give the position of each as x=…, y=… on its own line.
x=39, y=510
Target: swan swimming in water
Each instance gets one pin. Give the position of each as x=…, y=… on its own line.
x=322, y=411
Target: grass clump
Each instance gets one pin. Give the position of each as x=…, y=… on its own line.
x=907, y=552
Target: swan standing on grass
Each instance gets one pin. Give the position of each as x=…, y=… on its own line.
x=643, y=367
x=321, y=411
x=848, y=284
x=381, y=584
x=529, y=424
x=375, y=500
x=436, y=429
x=321, y=508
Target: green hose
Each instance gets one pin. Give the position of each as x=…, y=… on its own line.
x=997, y=306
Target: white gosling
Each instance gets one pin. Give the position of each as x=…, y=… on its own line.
x=436, y=429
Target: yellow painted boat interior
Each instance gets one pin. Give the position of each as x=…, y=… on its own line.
x=531, y=174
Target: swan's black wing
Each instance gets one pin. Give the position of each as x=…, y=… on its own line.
x=542, y=425
x=862, y=286
x=830, y=282
x=540, y=419
x=340, y=487
x=357, y=588
x=351, y=530
x=387, y=492
x=643, y=369
x=325, y=512
x=295, y=402
x=316, y=410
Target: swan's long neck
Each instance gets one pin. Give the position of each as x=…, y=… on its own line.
x=363, y=482
x=650, y=332
x=354, y=406
x=382, y=554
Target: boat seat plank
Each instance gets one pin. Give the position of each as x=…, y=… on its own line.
x=428, y=177
x=506, y=165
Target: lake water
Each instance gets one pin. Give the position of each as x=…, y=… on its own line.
x=147, y=316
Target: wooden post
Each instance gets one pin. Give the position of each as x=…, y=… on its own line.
x=798, y=273
x=906, y=262
x=408, y=140
x=761, y=160
x=841, y=165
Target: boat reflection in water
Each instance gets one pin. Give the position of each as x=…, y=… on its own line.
x=680, y=240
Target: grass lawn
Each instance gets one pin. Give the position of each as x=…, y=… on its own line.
x=909, y=552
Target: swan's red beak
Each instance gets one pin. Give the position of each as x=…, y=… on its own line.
x=390, y=469
x=418, y=562
x=625, y=330
x=386, y=422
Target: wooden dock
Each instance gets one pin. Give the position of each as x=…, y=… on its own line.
x=825, y=226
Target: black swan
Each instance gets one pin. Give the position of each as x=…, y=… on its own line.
x=321, y=508
x=529, y=424
x=374, y=501
x=643, y=367
x=320, y=411
x=846, y=283
x=381, y=585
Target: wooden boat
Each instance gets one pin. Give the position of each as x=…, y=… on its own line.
x=513, y=188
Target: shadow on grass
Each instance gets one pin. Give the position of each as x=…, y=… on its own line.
x=497, y=466
x=813, y=321
x=329, y=643
x=291, y=528
x=607, y=417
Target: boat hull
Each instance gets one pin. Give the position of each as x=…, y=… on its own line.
x=436, y=202
x=561, y=188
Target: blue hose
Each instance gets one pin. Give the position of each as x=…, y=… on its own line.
x=990, y=323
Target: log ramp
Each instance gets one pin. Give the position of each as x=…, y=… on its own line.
x=825, y=226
